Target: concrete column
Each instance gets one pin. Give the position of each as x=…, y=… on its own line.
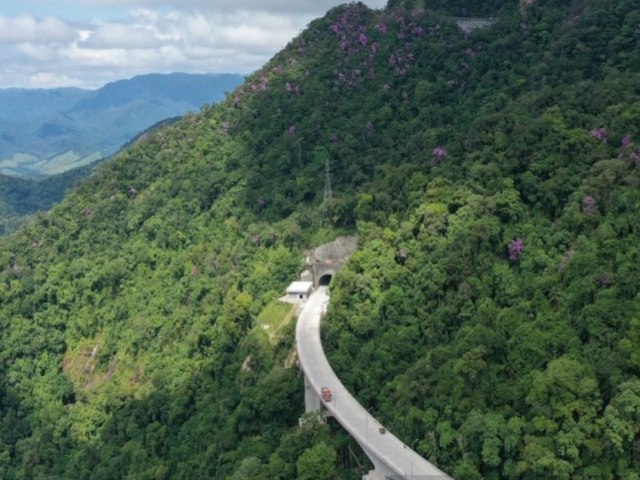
x=380, y=471
x=311, y=399
x=372, y=475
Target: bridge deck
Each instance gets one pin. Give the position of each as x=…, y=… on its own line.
x=362, y=426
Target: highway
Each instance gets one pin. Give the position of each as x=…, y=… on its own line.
x=361, y=425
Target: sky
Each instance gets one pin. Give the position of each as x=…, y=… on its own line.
x=87, y=43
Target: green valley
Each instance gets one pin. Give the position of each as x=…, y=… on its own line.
x=490, y=317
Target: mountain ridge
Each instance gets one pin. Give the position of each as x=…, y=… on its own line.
x=489, y=317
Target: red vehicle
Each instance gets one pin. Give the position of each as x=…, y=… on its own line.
x=325, y=393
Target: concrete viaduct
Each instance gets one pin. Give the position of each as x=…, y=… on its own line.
x=392, y=459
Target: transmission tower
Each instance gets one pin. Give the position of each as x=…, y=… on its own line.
x=328, y=194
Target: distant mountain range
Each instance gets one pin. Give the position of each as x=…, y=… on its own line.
x=45, y=132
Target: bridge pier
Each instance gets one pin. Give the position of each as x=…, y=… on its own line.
x=380, y=471
x=312, y=401
x=372, y=475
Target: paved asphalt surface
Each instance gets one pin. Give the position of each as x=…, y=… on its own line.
x=364, y=428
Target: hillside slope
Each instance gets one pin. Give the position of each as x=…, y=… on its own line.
x=490, y=317
x=21, y=198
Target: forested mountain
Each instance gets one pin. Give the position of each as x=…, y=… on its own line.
x=45, y=132
x=491, y=317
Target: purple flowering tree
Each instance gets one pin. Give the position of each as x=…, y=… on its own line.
x=516, y=249
x=589, y=205
x=628, y=152
x=600, y=134
x=438, y=154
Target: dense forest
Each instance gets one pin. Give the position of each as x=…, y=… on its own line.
x=490, y=318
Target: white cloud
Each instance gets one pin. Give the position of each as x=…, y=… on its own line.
x=35, y=52
x=238, y=31
x=51, y=80
x=26, y=28
x=317, y=7
x=152, y=36
x=118, y=35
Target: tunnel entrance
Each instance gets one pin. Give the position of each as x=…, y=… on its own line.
x=325, y=280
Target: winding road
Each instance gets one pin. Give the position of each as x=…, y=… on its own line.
x=396, y=459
